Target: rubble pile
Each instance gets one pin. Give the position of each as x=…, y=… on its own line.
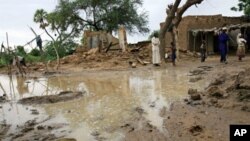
x=92, y=58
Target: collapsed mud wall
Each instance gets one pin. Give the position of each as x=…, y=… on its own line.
x=104, y=40
x=122, y=38
x=98, y=39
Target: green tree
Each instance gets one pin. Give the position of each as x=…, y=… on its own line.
x=105, y=14
x=71, y=17
x=154, y=33
x=20, y=51
x=63, y=49
x=243, y=5
x=35, y=52
x=61, y=23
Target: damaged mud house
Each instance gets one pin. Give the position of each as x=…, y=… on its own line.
x=193, y=29
x=103, y=41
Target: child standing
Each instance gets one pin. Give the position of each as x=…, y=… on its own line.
x=173, y=53
x=203, y=51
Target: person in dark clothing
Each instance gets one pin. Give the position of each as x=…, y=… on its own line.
x=173, y=53
x=39, y=42
x=203, y=51
x=223, y=38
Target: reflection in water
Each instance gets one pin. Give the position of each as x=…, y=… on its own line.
x=147, y=91
x=83, y=132
x=156, y=91
x=22, y=86
x=16, y=114
x=110, y=100
x=17, y=87
x=82, y=87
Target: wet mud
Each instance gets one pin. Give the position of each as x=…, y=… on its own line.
x=192, y=101
x=61, y=97
x=207, y=114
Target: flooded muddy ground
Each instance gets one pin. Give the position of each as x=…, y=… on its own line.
x=149, y=103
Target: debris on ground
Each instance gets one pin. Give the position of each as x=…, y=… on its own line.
x=36, y=130
x=3, y=98
x=196, y=130
x=63, y=96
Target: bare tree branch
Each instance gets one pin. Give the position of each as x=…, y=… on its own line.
x=182, y=9
x=170, y=17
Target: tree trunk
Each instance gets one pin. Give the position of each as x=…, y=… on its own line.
x=162, y=46
x=167, y=27
x=57, y=55
x=175, y=36
x=174, y=17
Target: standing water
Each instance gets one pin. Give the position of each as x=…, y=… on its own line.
x=109, y=101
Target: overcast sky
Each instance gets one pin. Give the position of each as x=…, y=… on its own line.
x=17, y=15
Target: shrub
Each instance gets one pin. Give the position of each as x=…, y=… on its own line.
x=20, y=51
x=35, y=52
x=5, y=58
x=31, y=58
x=63, y=49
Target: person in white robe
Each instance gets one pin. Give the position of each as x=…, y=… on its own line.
x=156, y=60
x=241, y=46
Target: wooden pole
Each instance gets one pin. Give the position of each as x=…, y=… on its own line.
x=7, y=38
x=1, y=51
x=194, y=44
x=19, y=67
x=1, y=86
x=9, y=65
x=33, y=31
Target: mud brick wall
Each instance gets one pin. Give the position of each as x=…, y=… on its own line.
x=200, y=22
x=99, y=39
x=122, y=38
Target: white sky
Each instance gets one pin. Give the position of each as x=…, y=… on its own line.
x=17, y=15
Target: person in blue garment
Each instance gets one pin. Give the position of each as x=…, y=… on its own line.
x=223, y=39
x=203, y=51
x=173, y=53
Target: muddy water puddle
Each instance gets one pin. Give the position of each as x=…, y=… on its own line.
x=110, y=100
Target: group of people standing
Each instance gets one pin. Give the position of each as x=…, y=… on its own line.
x=223, y=39
x=223, y=45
